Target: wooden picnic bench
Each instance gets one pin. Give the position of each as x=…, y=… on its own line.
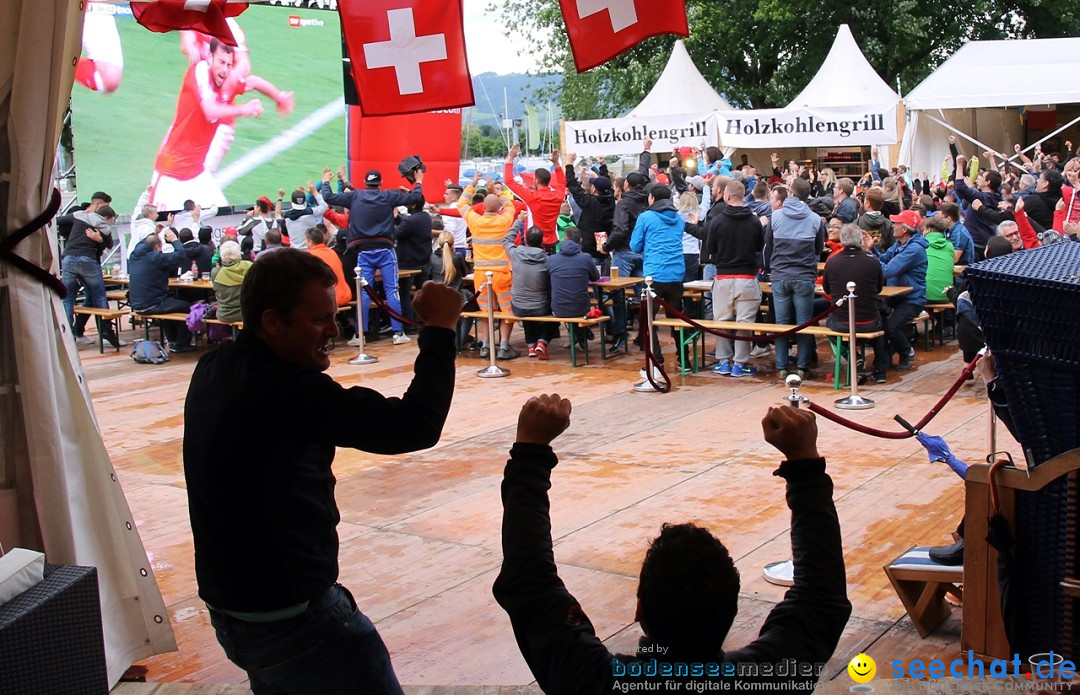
x=571, y=325
x=690, y=335
x=108, y=316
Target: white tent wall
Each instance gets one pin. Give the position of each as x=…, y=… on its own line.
x=57, y=480
x=926, y=143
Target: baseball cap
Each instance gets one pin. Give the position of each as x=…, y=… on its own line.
x=908, y=217
x=373, y=178
x=601, y=183
x=636, y=179
x=697, y=182
x=299, y=198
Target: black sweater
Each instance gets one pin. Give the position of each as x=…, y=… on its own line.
x=860, y=267
x=413, y=234
x=734, y=238
x=597, y=212
x=263, y=514
x=558, y=640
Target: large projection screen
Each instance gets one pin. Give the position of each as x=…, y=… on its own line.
x=117, y=136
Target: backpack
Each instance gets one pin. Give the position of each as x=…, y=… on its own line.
x=196, y=315
x=149, y=352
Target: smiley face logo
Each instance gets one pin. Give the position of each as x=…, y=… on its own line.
x=862, y=669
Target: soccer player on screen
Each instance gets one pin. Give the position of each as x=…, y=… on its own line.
x=196, y=46
x=102, y=67
x=205, y=102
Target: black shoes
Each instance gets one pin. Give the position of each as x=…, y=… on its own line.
x=181, y=348
x=907, y=362
x=948, y=554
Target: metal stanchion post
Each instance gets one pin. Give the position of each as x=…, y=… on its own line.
x=361, y=357
x=493, y=370
x=854, y=401
x=646, y=386
x=782, y=572
x=794, y=382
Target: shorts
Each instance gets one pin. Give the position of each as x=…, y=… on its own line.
x=500, y=283
x=169, y=193
x=101, y=40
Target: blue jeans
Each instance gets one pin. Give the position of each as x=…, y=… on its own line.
x=793, y=301
x=76, y=271
x=330, y=648
x=629, y=265
x=386, y=262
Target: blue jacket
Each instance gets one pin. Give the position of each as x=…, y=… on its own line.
x=906, y=266
x=658, y=236
x=570, y=271
x=371, y=213
x=796, y=238
x=150, y=270
x=961, y=240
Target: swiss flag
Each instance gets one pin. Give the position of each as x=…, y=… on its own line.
x=599, y=30
x=207, y=16
x=407, y=56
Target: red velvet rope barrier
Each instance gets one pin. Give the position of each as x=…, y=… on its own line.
x=884, y=434
x=379, y=302
x=674, y=313
x=646, y=346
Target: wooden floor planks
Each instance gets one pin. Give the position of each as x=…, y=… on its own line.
x=420, y=533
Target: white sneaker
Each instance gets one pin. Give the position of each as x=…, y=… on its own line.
x=656, y=375
x=761, y=351
x=354, y=341
x=401, y=339
x=84, y=340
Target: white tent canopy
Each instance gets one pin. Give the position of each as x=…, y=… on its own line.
x=1003, y=73
x=846, y=78
x=680, y=89
x=845, y=104
x=677, y=112
x=985, y=113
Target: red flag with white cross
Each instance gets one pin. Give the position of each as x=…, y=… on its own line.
x=599, y=30
x=407, y=55
x=207, y=16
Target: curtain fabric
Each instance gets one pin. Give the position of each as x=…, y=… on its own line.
x=54, y=466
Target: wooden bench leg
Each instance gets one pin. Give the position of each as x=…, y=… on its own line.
x=603, y=342
x=100, y=336
x=573, y=344
x=837, y=345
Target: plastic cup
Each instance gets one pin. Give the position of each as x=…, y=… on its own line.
x=614, y=272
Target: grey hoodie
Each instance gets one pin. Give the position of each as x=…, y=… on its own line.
x=78, y=244
x=797, y=238
x=531, y=288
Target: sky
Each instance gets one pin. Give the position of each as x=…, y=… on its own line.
x=488, y=49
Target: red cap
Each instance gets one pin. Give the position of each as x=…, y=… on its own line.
x=230, y=231
x=908, y=217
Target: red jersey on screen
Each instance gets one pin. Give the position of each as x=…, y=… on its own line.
x=184, y=150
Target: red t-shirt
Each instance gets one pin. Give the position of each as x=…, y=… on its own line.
x=184, y=150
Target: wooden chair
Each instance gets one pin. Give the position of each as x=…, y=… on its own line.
x=984, y=629
x=922, y=584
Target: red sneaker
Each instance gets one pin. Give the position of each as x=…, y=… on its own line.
x=541, y=350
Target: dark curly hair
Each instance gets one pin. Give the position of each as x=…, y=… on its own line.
x=688, y=591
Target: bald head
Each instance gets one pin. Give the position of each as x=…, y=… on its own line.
x=491, y=203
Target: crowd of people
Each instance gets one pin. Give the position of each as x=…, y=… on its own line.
x=674, y=221
x=268, y=571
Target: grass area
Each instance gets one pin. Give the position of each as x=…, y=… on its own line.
x=117, y=136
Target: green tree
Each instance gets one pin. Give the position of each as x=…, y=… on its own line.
x=482, y=141
x=761, y=53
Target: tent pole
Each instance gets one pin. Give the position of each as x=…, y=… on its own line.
x=967, y=137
